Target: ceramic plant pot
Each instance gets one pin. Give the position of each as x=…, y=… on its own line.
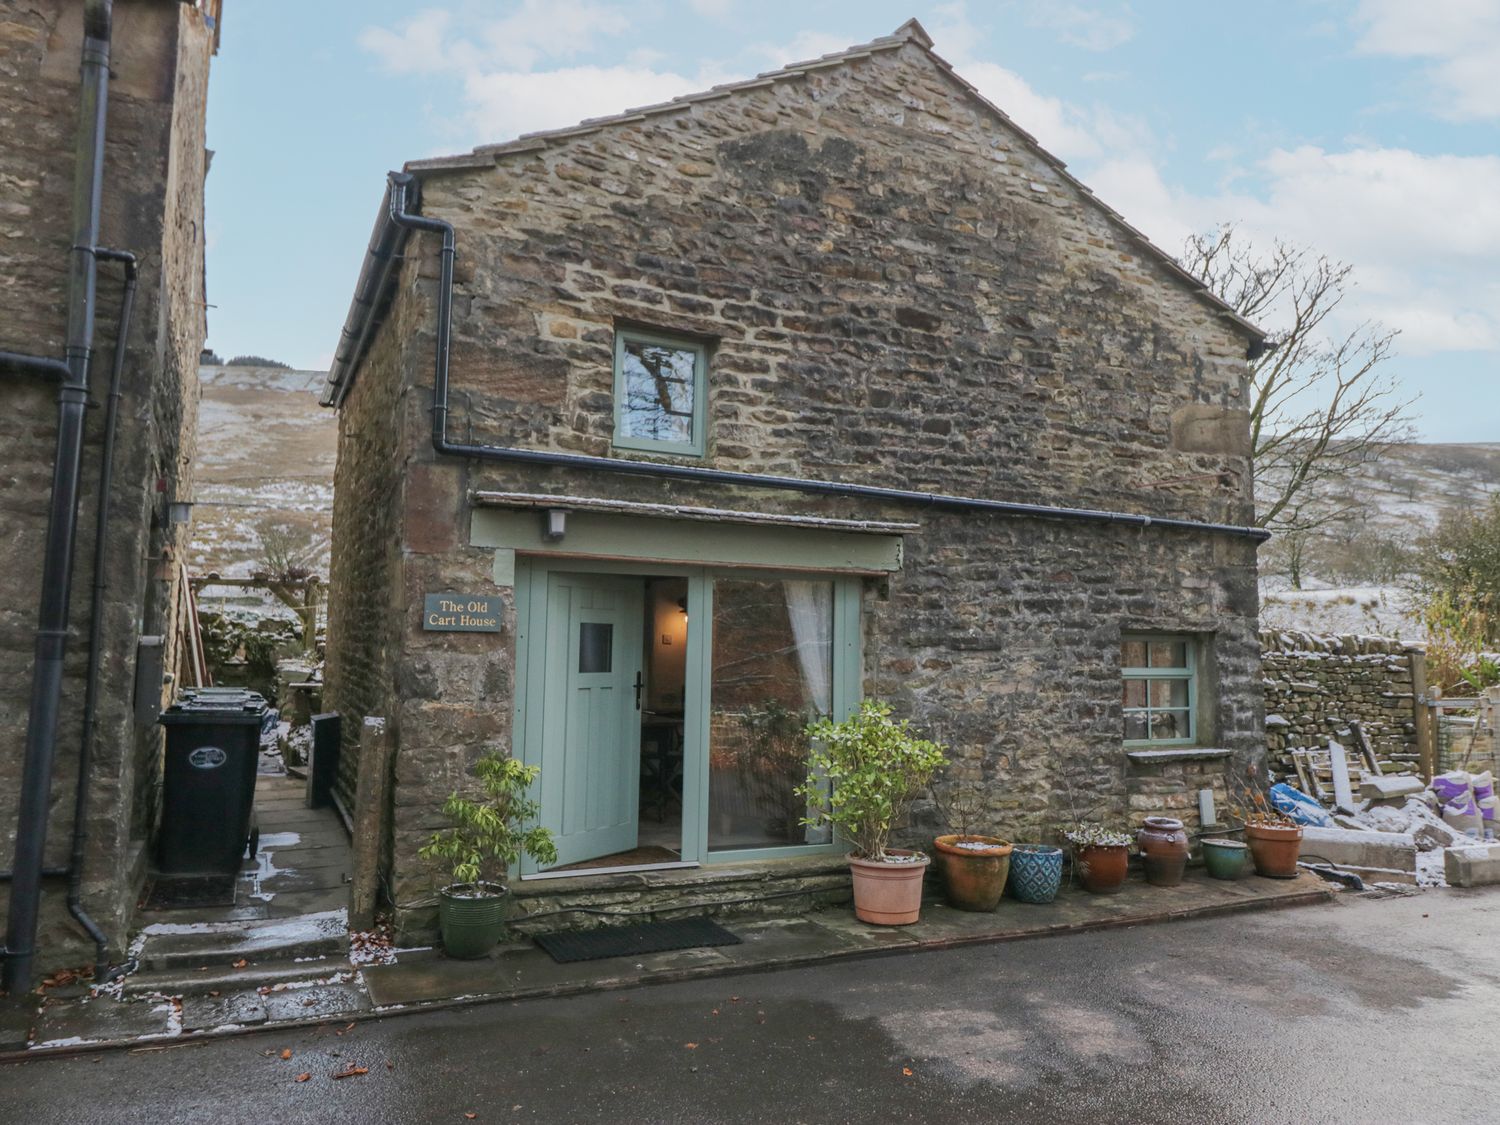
x=1224, y=859
x=472, y=918
x=1274, y=849
x=974, y=870
x=1164, y=848
x=1100, y=869
x=1035, y=872
x=888, y=894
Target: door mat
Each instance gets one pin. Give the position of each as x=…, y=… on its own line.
x=628, y=941
x=181, y=892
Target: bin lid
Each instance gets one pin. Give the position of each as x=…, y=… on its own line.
x=215, y=704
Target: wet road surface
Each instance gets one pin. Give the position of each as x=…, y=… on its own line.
x=1364, y=1010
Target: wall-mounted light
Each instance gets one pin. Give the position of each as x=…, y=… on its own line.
x=682, y=605
x=555, y=524
x=179, y=513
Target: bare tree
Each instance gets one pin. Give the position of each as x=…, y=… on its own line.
x=1321, y=406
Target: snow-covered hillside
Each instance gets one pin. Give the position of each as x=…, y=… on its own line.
x=265, y=459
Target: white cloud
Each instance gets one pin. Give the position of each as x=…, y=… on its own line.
x=416, y=46
x=505, y=104
x=1459, y=38
x=1083, y=26
x=712, y=9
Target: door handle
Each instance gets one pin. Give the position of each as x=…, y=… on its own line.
x=639, y=682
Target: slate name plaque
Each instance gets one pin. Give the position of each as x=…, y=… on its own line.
x=461, y=613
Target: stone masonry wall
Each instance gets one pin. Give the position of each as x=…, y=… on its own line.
x=897, y=291
x=1315, y=685
x=152, y=206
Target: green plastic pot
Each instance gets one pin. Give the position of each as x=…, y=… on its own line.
x=472, y=918
x=1224, y=859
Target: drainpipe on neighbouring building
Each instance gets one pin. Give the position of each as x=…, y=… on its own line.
x=62, y=516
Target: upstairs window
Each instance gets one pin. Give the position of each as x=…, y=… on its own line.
x=660, y=391
x=1160, y=689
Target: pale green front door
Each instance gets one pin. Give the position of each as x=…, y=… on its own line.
x=591, y=745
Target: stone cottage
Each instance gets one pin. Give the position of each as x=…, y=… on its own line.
x=662, y=433
x=68, y=373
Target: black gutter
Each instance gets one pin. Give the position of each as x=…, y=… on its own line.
x=96, y=622
x=62, y=516
x=361, y=324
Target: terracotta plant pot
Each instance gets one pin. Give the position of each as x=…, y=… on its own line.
x=974, y=876
x=888, y=894
x=1102, y=870
x=1035, y=872
x=1164, y=848
x=1274, y=849
x=1224, y=859
x=472, y=918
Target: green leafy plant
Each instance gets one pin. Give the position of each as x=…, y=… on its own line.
x=489, y=832
x=865, y=770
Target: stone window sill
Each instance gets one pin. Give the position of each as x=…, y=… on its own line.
x=1149, y=757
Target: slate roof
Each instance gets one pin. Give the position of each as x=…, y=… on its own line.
x=910, y=32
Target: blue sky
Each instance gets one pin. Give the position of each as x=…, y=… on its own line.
x=1366, y=129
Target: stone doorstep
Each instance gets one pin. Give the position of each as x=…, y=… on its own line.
x=224, y=977
x=278, y=940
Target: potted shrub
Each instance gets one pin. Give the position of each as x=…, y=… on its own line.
x=1101, y=856
x=1274, y=838
x=974, y=867
x=488, y=836
x=865, y=770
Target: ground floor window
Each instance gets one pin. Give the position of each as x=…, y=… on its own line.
x=667, y=709
x=1159, y=689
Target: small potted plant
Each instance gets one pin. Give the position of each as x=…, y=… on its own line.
x=865, y=771
x=1101, y=856
x=488, y=836
x=974, y=867
x=1275, y=839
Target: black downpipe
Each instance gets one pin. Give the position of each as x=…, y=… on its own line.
x=62, y=516
x=368, y=295
x=96, y=623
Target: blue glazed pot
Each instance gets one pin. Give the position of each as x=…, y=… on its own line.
x=1035, y=872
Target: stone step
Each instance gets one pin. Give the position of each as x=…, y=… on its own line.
x=219, y=945
x=227, y=979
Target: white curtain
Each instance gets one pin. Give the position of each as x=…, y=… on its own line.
x=810, y=607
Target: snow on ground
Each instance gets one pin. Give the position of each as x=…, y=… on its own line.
x=1382, y=611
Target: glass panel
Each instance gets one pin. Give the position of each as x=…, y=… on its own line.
x=1136, y=726
x=657, y=382
x=1135, y=693
x=1169, y=724
x=595, y=645
x=1168, y=654
x=1132, y=654
x=1169, y=693
x=772, y=673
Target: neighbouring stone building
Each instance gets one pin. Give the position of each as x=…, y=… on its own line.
x=610, y=538
x=152, y=206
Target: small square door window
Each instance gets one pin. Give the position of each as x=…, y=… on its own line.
x=595, y=645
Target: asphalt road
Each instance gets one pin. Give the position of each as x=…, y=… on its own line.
x=1365, y=1010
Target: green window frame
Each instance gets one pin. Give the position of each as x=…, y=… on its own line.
x=1157, y=695
x=696, y=413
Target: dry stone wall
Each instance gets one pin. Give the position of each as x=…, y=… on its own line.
x=1315, y=685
